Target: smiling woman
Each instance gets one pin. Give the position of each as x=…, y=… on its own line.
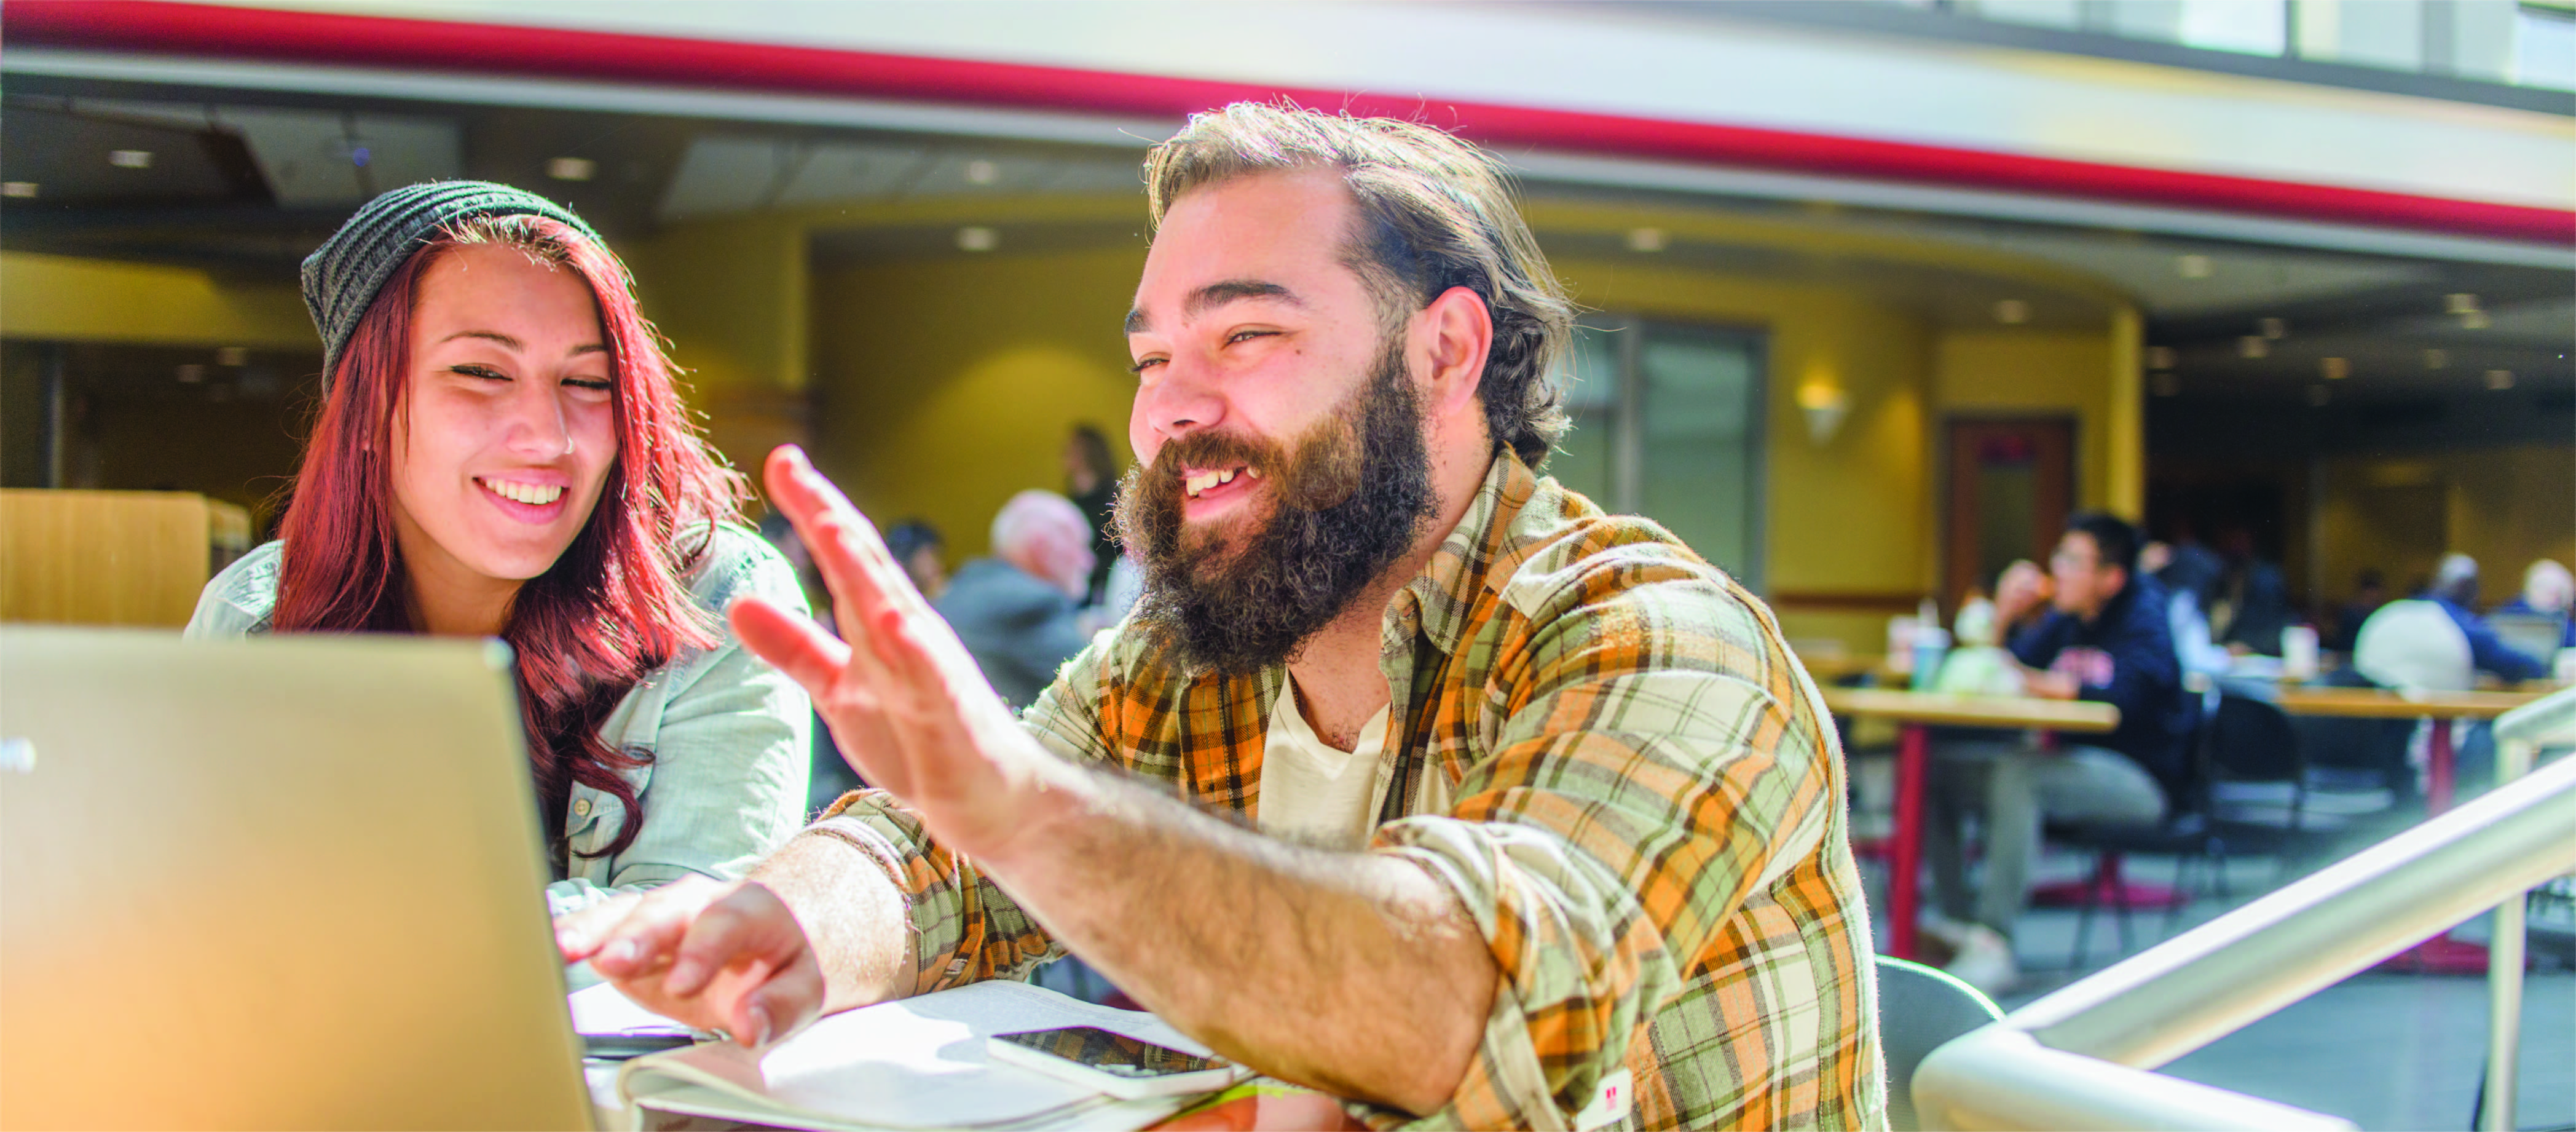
x=501, y=452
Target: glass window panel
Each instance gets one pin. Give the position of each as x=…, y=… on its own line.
x=1584, y=461
x=2044, y=13
x=2545, y=49
x=1702, y=457
x=2255, y=27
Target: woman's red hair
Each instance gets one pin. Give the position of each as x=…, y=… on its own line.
x=612, y=609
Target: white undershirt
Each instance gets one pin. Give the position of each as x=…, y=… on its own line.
x=1312, y=793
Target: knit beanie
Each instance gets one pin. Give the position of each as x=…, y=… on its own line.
x=342, y=276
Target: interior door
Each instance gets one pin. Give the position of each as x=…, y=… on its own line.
x=2012, y=486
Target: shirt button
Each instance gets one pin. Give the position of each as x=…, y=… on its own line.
x=581, y=807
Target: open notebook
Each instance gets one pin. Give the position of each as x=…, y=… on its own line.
x=915, y=1063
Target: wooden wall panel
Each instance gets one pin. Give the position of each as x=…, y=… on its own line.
x=111, y=557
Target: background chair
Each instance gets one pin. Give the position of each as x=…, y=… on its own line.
x=1919, y=1008
x=2186, y=834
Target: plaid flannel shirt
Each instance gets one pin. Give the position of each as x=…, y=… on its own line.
x=1647, y=821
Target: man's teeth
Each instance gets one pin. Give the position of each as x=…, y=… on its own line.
x=535, y=495
x=1197, y=482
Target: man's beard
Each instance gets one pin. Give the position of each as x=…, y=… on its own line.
x=1343, y=505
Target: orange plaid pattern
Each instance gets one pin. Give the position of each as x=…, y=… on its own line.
x=1647, y=821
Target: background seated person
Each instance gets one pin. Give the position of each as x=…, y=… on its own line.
x=1459, y=798
x=501, y=453
x=2455, y=589
x=2105, y=637
x=917, y=545
x=2369, y=592
x=2548, y=590
x=1019, y=610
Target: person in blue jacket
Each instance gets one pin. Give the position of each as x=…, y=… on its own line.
x=2455, y=589
x=2548, y=590
x=2105, y=637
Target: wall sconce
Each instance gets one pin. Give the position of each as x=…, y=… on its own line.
x=1825, y=406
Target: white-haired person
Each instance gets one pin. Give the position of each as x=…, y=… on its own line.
x=1019, y=611
x=2548, y=590
x=2455, y=589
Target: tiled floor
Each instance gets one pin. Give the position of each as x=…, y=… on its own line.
x=2386, y=1051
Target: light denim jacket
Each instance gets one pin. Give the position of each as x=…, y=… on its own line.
x=730, y=735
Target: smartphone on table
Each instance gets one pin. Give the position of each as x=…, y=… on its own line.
x=1121, y=1066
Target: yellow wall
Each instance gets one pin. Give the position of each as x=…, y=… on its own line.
x=949, y=385
x=733, y=297
x=2054, y=373
x=1845, y=517
x=2400, y=514
x=62, y=298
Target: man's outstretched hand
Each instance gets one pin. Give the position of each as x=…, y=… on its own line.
x=913, y=715
x=905, y=701
x=715, y=956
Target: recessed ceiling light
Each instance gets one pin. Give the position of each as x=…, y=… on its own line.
x=2012, y=312
x=130, y=158
x=2499, y=379
x=232, y=356
x=2475, y=320
x=2317, y=395
x=977, y=238
x=21, y=190
x=2253, y=346
x=2160, y=357
x=191, y=373
x=2274, y=329
x=1648, y=240
x=2193, y=266
x=2336, y=369
x=2436, y=359
x=982, y=172
x=2460, y=303
x=572, y=168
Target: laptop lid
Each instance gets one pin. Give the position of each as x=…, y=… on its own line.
x=2535, y=635
x=289, y=882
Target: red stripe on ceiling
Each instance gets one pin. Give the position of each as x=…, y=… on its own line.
x=161, y=26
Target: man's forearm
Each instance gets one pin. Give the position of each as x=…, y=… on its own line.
x=853, y=916
x=1356, y=973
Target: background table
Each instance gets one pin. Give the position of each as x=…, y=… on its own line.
x=1914, y=712
x=2440, y=954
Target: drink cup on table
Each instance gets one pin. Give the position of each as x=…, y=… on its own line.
x=1930, y=643
x=2299, y=652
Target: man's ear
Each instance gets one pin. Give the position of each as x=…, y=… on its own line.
x=1456, y=332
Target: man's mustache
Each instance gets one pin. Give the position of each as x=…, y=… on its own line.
x=1324, y=473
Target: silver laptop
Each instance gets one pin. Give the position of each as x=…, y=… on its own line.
x=281, y=883
x=2535, y=635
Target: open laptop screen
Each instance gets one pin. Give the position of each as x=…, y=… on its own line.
x=289, y=882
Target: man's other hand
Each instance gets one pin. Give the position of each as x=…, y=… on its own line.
x=713, y=955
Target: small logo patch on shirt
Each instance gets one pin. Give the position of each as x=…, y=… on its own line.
x=1609, y=1103
x=2090, y=667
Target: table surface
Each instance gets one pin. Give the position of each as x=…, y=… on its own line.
x=1973, y=711
x=2375, y=703
x=1827, y=667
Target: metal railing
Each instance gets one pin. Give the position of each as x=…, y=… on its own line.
x=2518, y=734
x=2083, y=1057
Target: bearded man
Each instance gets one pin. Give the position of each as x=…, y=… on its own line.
x=1414, y=778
